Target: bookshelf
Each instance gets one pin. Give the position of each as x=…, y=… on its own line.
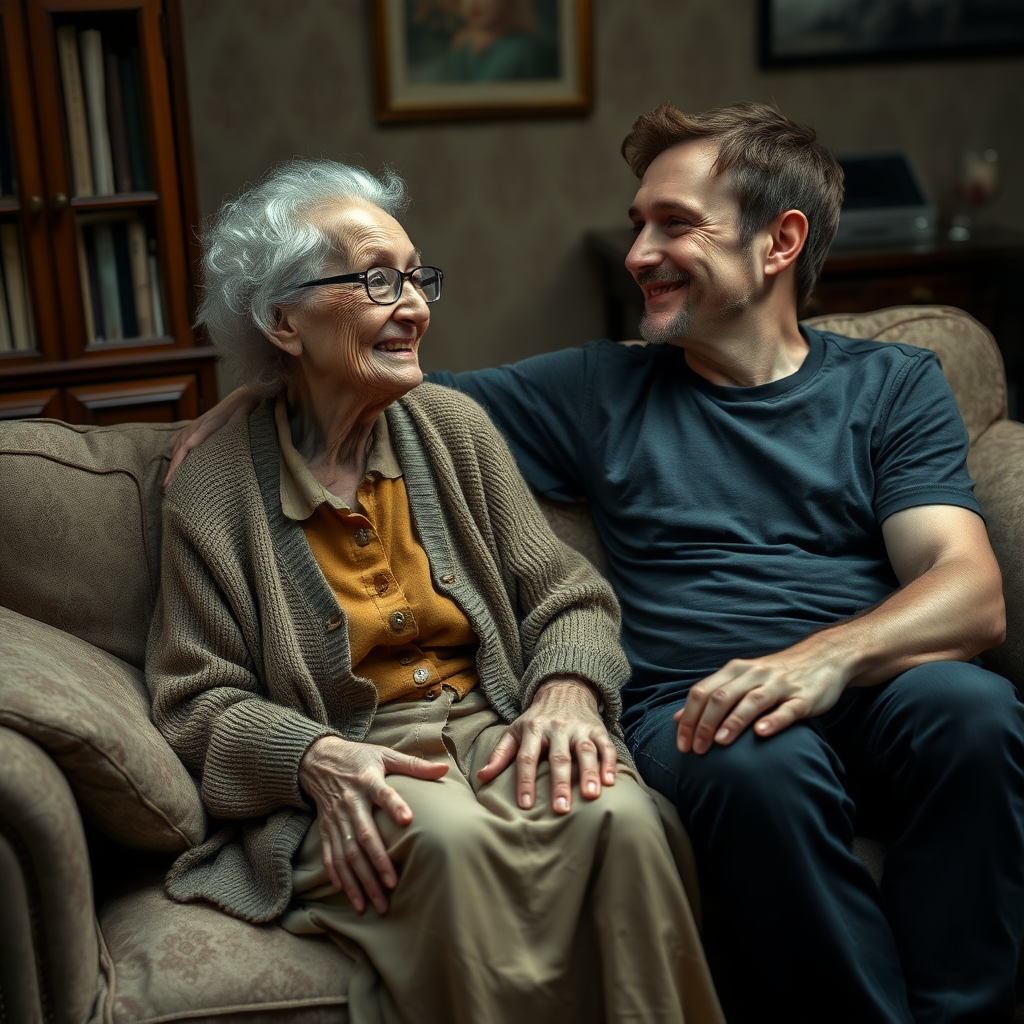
x=97, y=207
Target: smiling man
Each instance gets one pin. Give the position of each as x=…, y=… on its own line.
x=805, y=579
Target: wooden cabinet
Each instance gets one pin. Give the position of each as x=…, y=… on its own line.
x=98, y=207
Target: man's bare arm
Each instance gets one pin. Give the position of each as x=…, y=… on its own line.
x=949, y=607
x=240, y=402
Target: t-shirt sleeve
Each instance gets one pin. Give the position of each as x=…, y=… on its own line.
x=538, y=405
x=921, y=453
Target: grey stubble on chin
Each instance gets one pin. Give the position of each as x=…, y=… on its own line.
x=680, y=324
x=677, y=327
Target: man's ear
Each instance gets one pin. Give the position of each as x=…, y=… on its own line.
x=787, y=234
x=284, y=332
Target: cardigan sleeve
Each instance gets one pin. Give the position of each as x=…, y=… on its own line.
x=208, y=700
x=567, y=614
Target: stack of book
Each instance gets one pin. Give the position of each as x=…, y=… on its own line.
x=17, y=333
x=103, y=113
x=120, y=277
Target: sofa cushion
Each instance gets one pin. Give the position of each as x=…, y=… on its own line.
x=191, y=962
x=969, y=354
x=997, y=464
x=80, y=528
x=572, y=524
x=90, y=712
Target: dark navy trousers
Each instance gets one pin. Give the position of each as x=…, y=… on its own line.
x=795, y=929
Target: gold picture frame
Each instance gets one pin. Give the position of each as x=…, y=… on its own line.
x=444, y=59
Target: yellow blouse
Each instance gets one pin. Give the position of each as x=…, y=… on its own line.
x=403, y=635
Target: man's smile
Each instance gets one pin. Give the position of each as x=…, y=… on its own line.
x=658, y=283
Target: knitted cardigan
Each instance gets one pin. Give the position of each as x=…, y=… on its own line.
x=248, y=659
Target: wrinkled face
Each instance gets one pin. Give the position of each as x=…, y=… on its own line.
x=687, y=258
x=346, y=338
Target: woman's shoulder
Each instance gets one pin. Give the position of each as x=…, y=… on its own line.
x=217, y=472
x=445, y=406
x=448, y=421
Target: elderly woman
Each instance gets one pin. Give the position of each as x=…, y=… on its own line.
x=363, y=622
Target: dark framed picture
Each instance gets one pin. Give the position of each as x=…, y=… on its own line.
x=438, y=59
x=795, y=32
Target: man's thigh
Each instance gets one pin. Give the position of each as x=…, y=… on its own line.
x=765, y=775
x=901, y=739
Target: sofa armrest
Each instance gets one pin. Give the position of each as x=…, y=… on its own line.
x=90, y=712
x=996, y=462
x=48, y=921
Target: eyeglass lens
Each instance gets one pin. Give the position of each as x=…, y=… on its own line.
x=384, y=284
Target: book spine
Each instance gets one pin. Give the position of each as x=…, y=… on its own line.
x=106, y=264
x=138, y=253
x=8, y=177
x=83, y=277
x=135, y=125
x=125, y=287
x=154, y=291
x=6, y=345
x=116, y=123
x=93, y=267
x=91, y=50
x=74, y=110
x=18, y=303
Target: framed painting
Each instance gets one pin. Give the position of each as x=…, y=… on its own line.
x=437, y=59
x=795, y=32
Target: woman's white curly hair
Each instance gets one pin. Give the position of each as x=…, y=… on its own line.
x=259, y=245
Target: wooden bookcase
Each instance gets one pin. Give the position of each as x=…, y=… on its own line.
x=86, y=360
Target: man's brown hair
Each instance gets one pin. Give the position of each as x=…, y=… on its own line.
x=774, y=164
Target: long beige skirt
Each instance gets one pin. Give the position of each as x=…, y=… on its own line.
x=505, y=915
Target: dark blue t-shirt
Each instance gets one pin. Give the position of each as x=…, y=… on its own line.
x=736, y=520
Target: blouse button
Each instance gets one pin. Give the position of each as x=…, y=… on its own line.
x=421, y=675
x=397, y=621
x=362, y=536
x=432, y=694
x=406, y=657
x=381, y=584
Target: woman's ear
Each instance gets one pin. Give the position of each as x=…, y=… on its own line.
x=284, y=333
x=788, y=233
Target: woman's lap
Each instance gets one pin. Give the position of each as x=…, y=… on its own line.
x=525, y=901
x=459, y=813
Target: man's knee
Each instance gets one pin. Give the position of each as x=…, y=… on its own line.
x=956, y=710
x=779, y=778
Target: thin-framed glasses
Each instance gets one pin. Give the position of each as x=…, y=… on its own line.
x=384, y=284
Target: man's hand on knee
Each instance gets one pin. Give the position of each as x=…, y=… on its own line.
x=771, y=693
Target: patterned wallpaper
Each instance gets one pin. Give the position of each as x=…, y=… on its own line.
x=502, y=206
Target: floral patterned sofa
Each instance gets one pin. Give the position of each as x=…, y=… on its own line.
x=93, y=803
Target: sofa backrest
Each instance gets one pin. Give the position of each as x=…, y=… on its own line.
x=80, y=506
x=80, y=528
x=969, y=354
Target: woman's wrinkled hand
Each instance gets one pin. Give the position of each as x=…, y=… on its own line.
x=239, y=403
x=346, y=780
x=562, y=720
